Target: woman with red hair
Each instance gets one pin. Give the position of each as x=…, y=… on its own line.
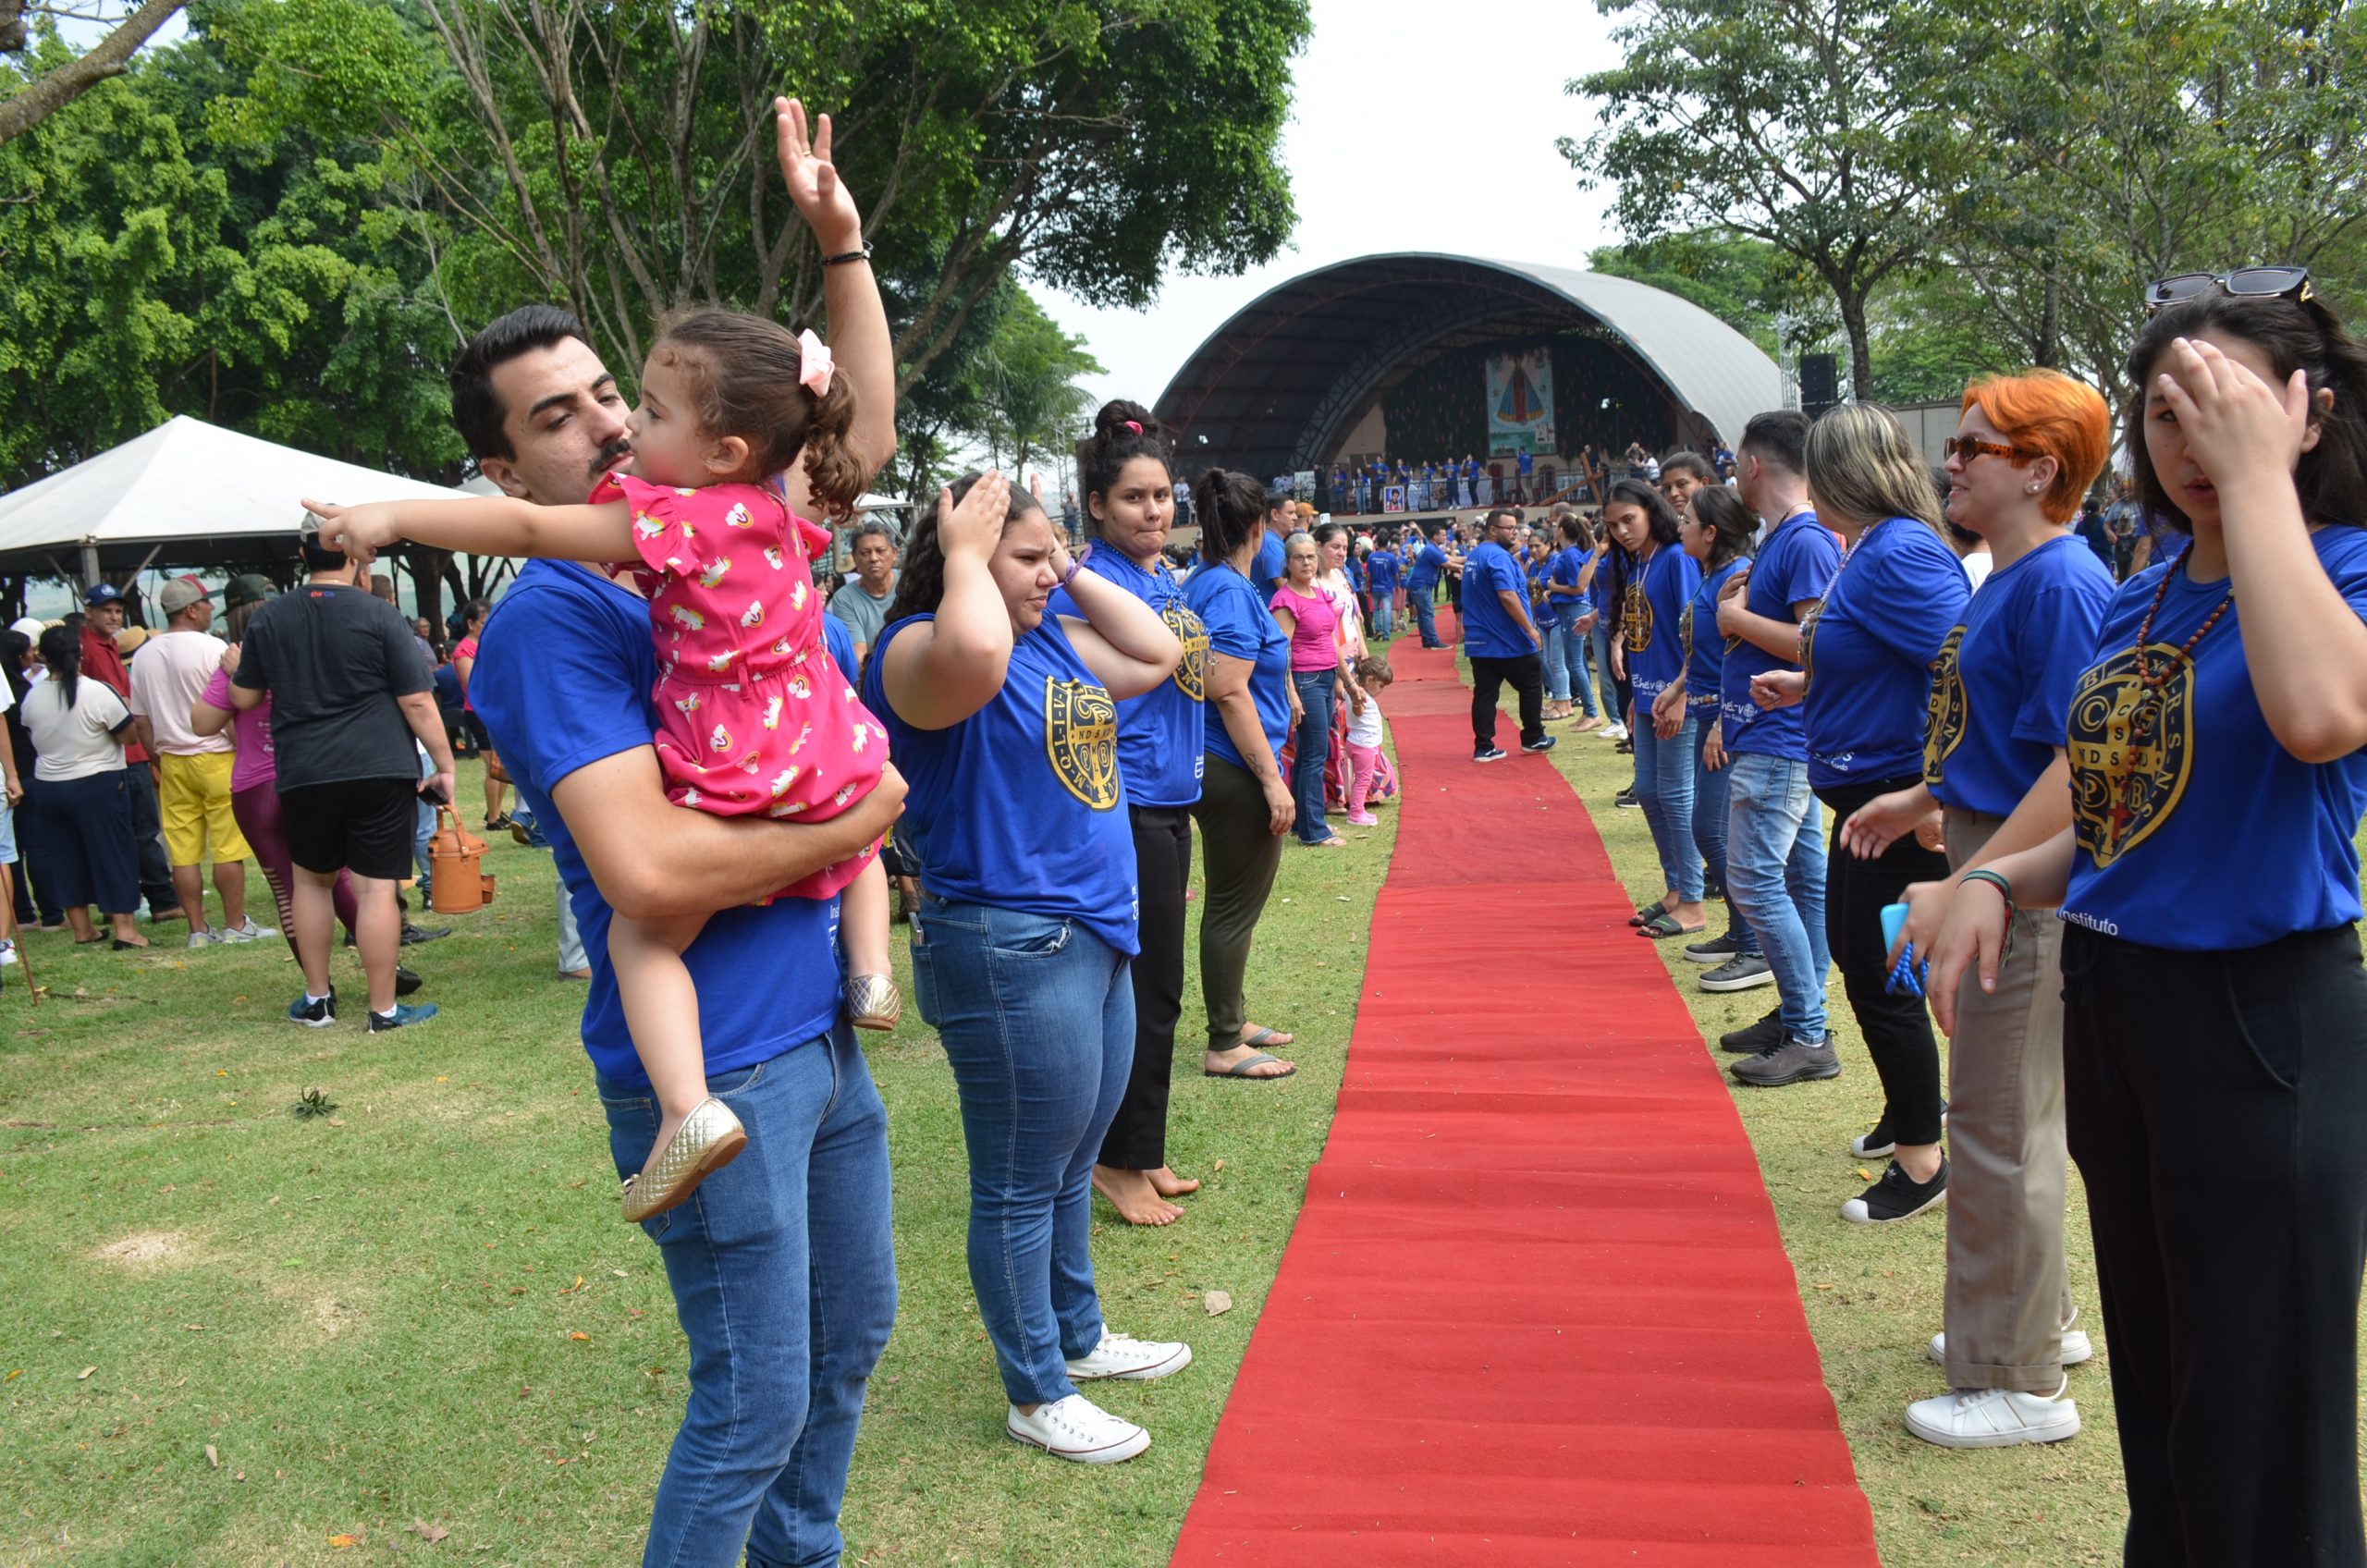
x=2026, y=450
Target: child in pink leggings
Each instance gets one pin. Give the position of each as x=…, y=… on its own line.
x=1365, y=733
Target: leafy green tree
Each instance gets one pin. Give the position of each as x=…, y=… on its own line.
x=1029, y=404
x=26, y=100
x=1752, y=287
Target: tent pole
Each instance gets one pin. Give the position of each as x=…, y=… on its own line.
x=90, y=565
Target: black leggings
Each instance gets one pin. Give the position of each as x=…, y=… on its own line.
x=1897, y=1029
x=2218, y=1106
x=1138, y=1135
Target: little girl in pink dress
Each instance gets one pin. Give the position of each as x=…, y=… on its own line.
x=755, y=717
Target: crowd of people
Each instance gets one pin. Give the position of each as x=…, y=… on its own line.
x=714, y=754
x=1381, y=484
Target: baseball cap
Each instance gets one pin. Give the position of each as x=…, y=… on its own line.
x=32, y=626
x=182, y=593
x=247, y=588
x=101, y=593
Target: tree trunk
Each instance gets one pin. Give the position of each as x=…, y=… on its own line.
x=46, y=95
x=1862, y=364
x=427, y=565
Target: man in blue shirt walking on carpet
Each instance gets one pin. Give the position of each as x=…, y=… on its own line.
x=1501, y=641
x=1422, y=585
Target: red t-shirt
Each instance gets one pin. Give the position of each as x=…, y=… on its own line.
x=100, y=659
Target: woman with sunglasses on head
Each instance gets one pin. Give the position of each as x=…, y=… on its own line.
x=1865, y=658
x=2215, y=1013
x=2027, y=447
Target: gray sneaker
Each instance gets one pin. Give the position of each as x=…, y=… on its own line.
x=1738, y=973
x=1788, y=1063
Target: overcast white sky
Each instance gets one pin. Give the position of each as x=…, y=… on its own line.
x=1455, y=106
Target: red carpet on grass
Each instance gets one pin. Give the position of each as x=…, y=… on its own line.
x=1536, y=1310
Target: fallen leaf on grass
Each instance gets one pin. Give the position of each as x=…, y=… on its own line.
x=13, y=1374
x=580, y=1334
x=1217, y=1301
x=341, y=1542
x=1219, y=1166
x=1864, y=1174
x=1824, y=1287
x=571, y=1290
x=212, y=1459
x=429, y=1533
x=86, y=1371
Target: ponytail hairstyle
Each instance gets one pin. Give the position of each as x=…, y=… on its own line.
x=61, y=652
x=1730, y=523
x=1862, y=466
x=1657, y=513
x=1123, y=431
x=1574, y=528
x=743, y=371
x=2331, y=478
x=920, y=587
x=1232, y=510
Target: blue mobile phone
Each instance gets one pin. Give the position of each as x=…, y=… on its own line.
x=1894, y=921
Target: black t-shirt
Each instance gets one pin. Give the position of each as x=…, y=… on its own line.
x=334, y=660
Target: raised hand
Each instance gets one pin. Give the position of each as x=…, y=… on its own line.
x=813, y=180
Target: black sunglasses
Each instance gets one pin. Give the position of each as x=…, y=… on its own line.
x=2244, y=283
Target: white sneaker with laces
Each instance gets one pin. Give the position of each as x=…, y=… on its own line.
x=208, y=938
x=1132, y=1361
x=1994, y=1418
x=1615, y=730
x=2076, y=1347
x=8, y=952
x=246, y=931
x=1077, y=1429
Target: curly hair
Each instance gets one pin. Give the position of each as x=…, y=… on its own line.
x=921, y=587
x=743, y=372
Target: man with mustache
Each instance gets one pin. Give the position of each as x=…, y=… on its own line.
x=781, y=1265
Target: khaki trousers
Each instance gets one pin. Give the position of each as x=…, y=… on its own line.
x=2009, y=1294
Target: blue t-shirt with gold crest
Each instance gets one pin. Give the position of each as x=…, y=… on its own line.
x=1160, y=750
x=2194, y=829
x=1021, y=806
x=1795, y=565
x=2001, y=688
x=1868, y=652
x=1705, y=646
x=1652, y=623
x=1240, y=627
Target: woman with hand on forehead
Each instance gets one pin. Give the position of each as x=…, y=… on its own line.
x=2214, y=1010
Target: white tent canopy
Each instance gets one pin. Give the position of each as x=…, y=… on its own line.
x=187, y=493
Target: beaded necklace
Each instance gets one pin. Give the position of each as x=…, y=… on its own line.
x=2150, y=680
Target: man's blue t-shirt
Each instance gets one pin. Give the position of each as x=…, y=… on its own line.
x=1422, y=577
x=1239, y=626
x=1490, y=631
x=1022, y=805
x=2194, y=827
x=1796, y=562
x=1652, y=624
x=1381, y=569
x=1543, y=609
x=1705, y=658
x=839, y=641
x=1267, y=570
x=1869, y=651
x=2001, y=688
x=562, y=680
x=1160, y=746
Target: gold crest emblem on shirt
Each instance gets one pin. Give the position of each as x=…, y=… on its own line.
x=1945, y=732
x=1191, y=672
x=1081, y=739
x=1808, y=644
x=2131, y=752
x=1636, y=620
x=1685, y=630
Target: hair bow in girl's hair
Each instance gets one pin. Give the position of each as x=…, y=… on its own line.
x=1135, y=425
x=815, y=364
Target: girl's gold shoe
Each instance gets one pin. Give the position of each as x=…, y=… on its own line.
x=874, y=1002
x=708, y=1139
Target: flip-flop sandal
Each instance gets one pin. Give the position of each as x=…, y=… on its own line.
x=1241, y=1069
x=1262, y=1036
x=1644, y=912
x=1666, y=924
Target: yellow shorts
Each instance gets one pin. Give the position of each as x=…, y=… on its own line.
x=193, y=796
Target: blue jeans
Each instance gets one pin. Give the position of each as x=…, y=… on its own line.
x=1384, y=615
x=1036, y=1015
x=1775, y=879
x=1312, y=741
x=1423, y=602
x=1600, y=641
x=784, y=1269
x=1573, y=644
x=1557, y=671
x=1664, y=788
x=1709, y=807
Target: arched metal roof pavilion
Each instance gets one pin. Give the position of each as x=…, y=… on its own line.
x=1279, y=387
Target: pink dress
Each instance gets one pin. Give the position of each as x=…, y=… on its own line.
x=754, y=715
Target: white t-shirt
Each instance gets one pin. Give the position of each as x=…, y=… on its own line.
x=75, y=743
x=1364, y=728
x=169, y=673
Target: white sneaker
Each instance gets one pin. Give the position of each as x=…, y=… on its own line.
x=8, y=952
x=1077, y=1429
x=2076, y=1347
x=246, y=931
x=1133, y=1361
x=206, y=939
x=1994, y=1418
x=1615, y=730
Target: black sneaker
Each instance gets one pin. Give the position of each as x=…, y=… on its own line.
x=1880, y=1142
x=414, y=935
x=406, y=982
x=402, y=1017
x=1896, y=1196
x=1714, y=949
x=1543, y=744
x=1739, y=973
x=1489, y=754
x=1793, y=1061
x=313, y=1014
x=1625, y=801
x=1626, y=748
x=1753, y=1039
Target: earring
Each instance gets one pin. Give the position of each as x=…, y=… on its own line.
x=2034, y=489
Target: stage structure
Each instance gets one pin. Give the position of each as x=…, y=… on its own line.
x=1435, y=358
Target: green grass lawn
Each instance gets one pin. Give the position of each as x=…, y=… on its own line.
x=232, y=1334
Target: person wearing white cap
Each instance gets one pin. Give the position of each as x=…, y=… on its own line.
x=192, y=770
